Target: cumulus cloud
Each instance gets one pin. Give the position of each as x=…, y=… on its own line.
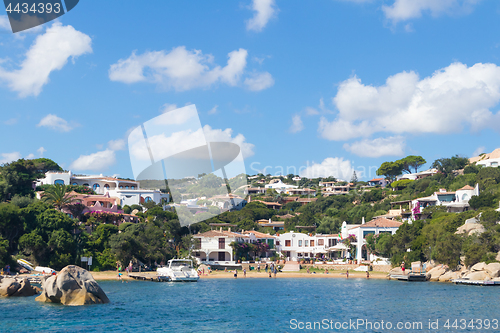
x=4, y=22
x=264, y=11
x=331, y=167
x=41, y=150
x=118, y=144
x=402, y=10
x=30, y=156
x=213, y=110
x=56, y=123
x=95, y=162
x=179, y=69
x=49, y=52
x=9, y=157
x=297, y=124
x=391, y=146
x=259, y=81
x=445, y=102
x=478, y=151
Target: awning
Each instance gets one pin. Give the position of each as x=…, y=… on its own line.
x=338, y=247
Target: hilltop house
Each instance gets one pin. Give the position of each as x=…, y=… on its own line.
x=418, y=175
x=335, y=190
x=378, y=182
x=213, y=247
x=127, y=191
x=457, y=201
x=487, y=160
x=279, y=186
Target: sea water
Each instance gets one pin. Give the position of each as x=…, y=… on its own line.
x=266, y=305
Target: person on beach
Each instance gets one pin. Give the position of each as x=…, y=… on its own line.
x=235, y=274
x=403, y=267
x=326, y=271
x=266, y=268
x=119, y=276
x=275, y=271
x=347, y=274
x=225, y=269
x=269, y=273
x=244, y=272
x=258, y=268
x=308, y=271
x=367, y=274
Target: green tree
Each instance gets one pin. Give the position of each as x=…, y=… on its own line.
x=58, y=196
x=447, y=165
x=390, y=170
x=412, y=162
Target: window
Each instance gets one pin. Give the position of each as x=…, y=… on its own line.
x=148, y=199
x=277, y=242
x=222, y=244
x=321, y=242
x=494, y=164
x=126, y=187
x=197, y=243
x=86, y=185
x=121, y=187
x=332, y=242
x=106, y=187
x=59, y=182
x=132, y=187
x=300, y=243
x=96, y=186
x=312, y=243
x=288, y=242
x=75, y=184
x=306, y=243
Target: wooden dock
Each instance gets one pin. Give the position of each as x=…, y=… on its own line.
x=408, y=277
x=149, y=277
x=476, y=283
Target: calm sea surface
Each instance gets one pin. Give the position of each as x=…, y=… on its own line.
x=266, y=305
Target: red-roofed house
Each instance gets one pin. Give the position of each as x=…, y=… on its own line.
x=378, y=182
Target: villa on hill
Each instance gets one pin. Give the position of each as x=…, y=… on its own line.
x=128, y=192
x=487, y=160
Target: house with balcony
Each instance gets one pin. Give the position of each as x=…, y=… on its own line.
x=418, y=175
x=374, y=227
x=213, y=247
x=296, y=246
x=301, y=191
x=457, y=201
x=336, y=190
x=127, y=191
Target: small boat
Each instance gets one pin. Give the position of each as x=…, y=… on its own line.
x=25, y=264
x=179, y=270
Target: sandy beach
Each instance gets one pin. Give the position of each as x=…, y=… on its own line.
x=113, y=275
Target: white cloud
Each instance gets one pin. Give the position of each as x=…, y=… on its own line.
x=330, y=167
x=264, y=11
x=179, y=69
x=4, y=22
x=54, y=122
x=213, y=110
x=41, y=150
x=297, y=124
x=453, y=97
x=218, y=135
x=391, y=146
x=402, y=10
x=9, y=157
x=95, y=162
x=48, y=53
x=30, y=157
x=118, y=144
x=168, y=107
x=259, y=81
x=11, y=121
x=478, y=151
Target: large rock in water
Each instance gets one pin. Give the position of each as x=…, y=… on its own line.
x=72, y=286
x=16, y=287
x=448, y=276
x=493, y=269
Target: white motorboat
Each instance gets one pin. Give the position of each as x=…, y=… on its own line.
x=179, y=270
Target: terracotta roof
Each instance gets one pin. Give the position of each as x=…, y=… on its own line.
x=380, y=223
x=258, y=234
x=466, y=187
x=269, y=203
x=215, y=233
x=376, y=179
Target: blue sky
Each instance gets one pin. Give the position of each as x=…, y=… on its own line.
x=313, y=87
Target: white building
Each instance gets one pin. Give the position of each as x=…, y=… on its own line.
x=295, y=246
x=374, y=227
x=212, y=247
x=487, y=160
x=279, y=186
x=457, y=201
x=127, y=191
x=418, y=175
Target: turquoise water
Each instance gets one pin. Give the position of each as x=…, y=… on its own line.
x=262, y=305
